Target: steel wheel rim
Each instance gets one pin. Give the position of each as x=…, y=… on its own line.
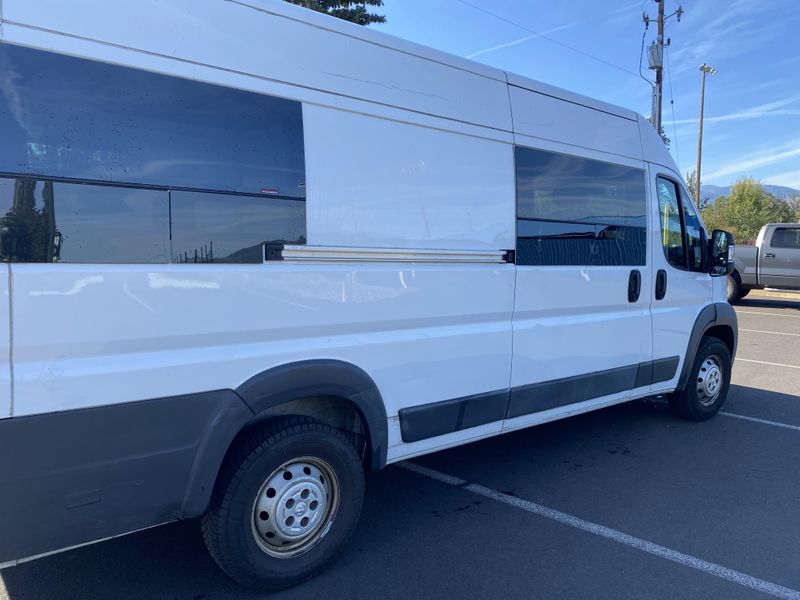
x=729, y=287
x=295, y=507
x=710, y=380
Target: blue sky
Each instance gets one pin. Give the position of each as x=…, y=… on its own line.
x=752, y=112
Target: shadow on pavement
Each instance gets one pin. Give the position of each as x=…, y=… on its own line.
x=762, y=397
x=764, y=404
x=769, y=303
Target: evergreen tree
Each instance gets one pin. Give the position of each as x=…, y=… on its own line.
x=357, y=11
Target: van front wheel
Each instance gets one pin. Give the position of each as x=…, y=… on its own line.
x=708, y=384
x=288, y=497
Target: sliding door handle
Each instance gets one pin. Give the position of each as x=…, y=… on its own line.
x=661, y=284
x=634, y=285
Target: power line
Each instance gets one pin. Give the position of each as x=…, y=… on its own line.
x=672, y=104
x=549, y=39
x=641, y=54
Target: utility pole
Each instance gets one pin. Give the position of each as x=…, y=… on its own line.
x=655, y=57
x=659, y=69
x=705, y=70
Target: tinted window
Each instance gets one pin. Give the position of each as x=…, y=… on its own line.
x=694, y=235
x=576, y=211
x=226, y=228
x=73, y=118
x=45, y=221
x=559, y=187
x=682, y=235
x=669, y=210
x=786, y=238
x=556, y=243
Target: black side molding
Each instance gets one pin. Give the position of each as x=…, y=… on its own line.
x=440, y=418
x=664, y=369
x=569, y=390
x=430, y=420
x=320, y=378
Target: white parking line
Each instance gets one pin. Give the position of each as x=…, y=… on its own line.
x=757, y=420
x=763, y=362
x=770, y=314
x=766, y=587
x=772, y=332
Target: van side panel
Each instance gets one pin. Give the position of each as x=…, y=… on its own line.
x=374, y=182
x=94, y=335
x=549, y=118
x=653, y=147
x=5, y=343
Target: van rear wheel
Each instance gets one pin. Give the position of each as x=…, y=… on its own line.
x=287, y=499
x=708, y=384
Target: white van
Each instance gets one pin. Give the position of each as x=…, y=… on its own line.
x=250, y=251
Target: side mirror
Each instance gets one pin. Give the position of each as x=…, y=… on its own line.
x=721, y=253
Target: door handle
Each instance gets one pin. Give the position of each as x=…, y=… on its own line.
x=634, y=285
x=661, y=284
x=769, y=255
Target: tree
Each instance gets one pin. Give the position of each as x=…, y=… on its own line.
x=794, y=206
x=691, y=182
x=28, y=233
x=746, y=210
x=356, y=12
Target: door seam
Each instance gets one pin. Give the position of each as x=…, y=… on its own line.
x=11, y=390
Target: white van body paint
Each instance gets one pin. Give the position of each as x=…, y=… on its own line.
x=395, y=322
x=411, y=224
x=423, y=188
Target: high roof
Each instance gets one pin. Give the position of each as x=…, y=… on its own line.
x=167, y=28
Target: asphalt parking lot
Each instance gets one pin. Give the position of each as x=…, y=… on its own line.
x=628, y=502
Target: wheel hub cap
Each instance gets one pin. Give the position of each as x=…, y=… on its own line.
x=293, y=505
x=709, y=380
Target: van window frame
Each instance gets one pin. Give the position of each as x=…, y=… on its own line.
x=598, y=224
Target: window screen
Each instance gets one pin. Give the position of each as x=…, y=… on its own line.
x=577, y=211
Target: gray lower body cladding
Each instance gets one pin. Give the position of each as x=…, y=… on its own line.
x=73, y=477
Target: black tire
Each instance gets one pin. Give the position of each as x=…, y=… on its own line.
x=231, y=522
x=693, y=402
x=734, y=288
x=743, y=291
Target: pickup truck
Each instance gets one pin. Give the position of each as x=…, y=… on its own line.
x=773, y=262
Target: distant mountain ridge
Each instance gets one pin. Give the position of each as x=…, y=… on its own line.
x=712, y=192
